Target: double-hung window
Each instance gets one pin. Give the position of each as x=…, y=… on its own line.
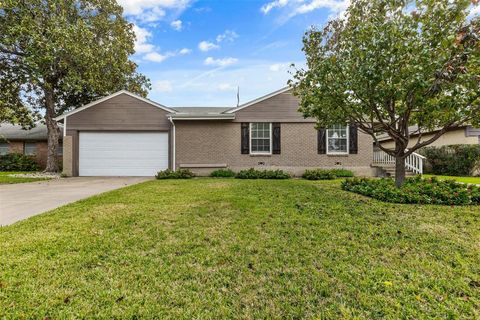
x=337, y=139
x=30, y=148
x=3, y=148
x=260, y=138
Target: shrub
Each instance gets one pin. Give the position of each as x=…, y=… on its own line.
x=322, y=174
x=18, y=162
x=262, y=174
x=416, y=190
x=178, y=174
x=222, y=173
x=453, y=160
x=318, y=174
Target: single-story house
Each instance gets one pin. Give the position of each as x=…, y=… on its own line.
x=32, y=142
x=127, y=135
x=460, y=135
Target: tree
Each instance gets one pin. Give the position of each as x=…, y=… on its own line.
x=390, y=65
x=62, y=54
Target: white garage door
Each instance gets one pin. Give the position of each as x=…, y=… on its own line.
x=122, y=153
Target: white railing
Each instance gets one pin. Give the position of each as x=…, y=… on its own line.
x=413, y=162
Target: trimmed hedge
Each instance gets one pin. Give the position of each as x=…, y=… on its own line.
x=178, y=174
x=416, y=191
x=18, y=162
x=322, y=174
x=262, y=174
x=222, y=173
x=453, y=160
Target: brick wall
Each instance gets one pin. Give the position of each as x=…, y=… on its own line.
x=40, y=155
x=68, y=156
x=215, y=142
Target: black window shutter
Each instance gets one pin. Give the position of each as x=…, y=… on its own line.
x=353, y=139
x=322, y=141
x=276, y=138
x=245, y=144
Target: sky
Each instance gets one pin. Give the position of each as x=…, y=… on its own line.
x=197, y=52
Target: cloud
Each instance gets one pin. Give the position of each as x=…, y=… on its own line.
x=141, y=43
x=226, y=87
x=152, y=10
x=266, y=8
x=207, y=46
x=278, y=67
x=184, y=51
x=228, y=35
x=163, y=86
x=298, y=7
x=177, y=25
x=220, y=62
x=156, y=57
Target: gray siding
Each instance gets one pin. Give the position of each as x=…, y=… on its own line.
x=122, y=112
x=282, y=107
x=472, y=132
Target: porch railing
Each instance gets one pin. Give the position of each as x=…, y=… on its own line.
x=413, y=162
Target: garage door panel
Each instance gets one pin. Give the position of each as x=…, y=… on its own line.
x=122, y=153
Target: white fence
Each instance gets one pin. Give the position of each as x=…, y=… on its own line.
x=413, y=162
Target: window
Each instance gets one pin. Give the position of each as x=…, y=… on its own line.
x=3, y=148
x=337, y=140
x=260, y=138
x=60, y=149
x=30, y=148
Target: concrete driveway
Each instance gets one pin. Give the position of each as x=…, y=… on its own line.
x=23, y=200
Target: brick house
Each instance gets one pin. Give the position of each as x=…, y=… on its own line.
x=33, y=142
x=127, y=135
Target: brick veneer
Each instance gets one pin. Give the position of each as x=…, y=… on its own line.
x=215, y=142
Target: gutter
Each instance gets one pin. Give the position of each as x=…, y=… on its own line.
x=173, y=142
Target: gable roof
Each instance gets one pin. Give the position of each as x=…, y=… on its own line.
x=10, y=131
x=255, y=101
x=91, y=104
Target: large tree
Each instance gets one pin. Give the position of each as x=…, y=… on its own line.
x=392, y=65
x=60, y=54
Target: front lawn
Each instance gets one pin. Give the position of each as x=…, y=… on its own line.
x=229, y=248
x=473, y=180
x=7, y=177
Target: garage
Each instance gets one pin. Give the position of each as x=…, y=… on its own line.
x=122, y=153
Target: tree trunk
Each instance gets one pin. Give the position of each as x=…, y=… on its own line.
x=53, y=133
x=399, y=171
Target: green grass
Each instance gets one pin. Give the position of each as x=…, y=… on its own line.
x=473, y=180
x=7, y=178
x=252, y=249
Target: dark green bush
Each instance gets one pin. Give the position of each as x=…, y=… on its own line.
x=416, y=190
x=18, y=162
x=326, y=174
x=178, y=174
x=453, y=160
x=262, y=174
x=222, y=173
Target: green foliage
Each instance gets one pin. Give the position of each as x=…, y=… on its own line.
x=453, y=160
x=17, y=162
x=416, y=190
x=390, y=65
x=326, y=174
x=222, y=173
x=178, y=174
x=262, y=174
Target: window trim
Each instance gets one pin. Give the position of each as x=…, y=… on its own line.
x=250, y=140
x=336, y=152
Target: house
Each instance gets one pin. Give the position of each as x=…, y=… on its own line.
x=126, y=135
x=460, y=135
x=32, y=142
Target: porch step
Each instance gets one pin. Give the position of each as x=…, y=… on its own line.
x=389, y=171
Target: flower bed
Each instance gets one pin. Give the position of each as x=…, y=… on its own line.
x=416, y=190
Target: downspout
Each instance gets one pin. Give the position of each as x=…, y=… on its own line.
x=173, y=142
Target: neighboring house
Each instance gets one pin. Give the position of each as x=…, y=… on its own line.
x=127, y=135
x=33, y=142
x=460, y=135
